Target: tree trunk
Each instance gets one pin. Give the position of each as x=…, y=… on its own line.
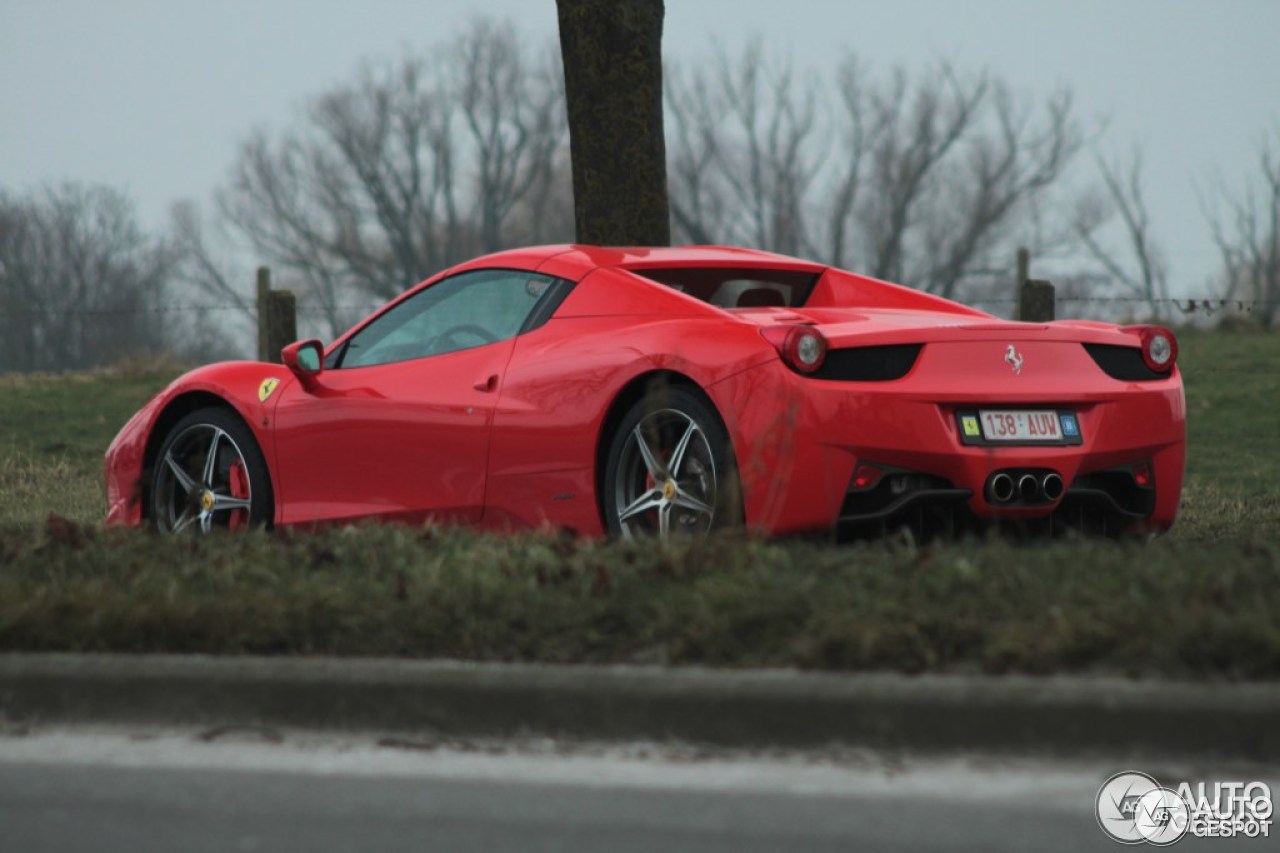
x=612, y=53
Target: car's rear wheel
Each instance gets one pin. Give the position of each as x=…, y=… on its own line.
x=210, y=474
x=670, y=469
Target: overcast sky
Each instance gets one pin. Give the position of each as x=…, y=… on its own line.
x=153, y=96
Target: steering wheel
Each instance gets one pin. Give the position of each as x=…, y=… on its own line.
x=445, y=341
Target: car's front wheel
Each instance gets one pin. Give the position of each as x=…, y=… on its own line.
x=670, y=469
x=210, y=474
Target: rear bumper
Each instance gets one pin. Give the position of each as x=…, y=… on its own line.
x=798, y=442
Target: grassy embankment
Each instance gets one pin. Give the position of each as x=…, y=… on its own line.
x=1203, y=601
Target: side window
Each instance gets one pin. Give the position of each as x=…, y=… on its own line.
x=468, y=310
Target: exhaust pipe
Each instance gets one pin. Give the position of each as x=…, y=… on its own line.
x=1028, y=488
x=1051, y=485
x=1001, y=488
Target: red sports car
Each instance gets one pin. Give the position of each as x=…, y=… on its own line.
x=621, y=391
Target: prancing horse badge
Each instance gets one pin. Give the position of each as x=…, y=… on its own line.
x=265, y=389
x=1014, y=358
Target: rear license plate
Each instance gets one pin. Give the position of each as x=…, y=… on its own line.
x=1020, y=425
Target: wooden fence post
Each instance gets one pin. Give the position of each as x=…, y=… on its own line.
x=1024, y=267
x=264, y=288
x=282, y=322
x=1036, y=299
x=277, y=318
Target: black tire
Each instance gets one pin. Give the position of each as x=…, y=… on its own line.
x=190, y=492
x=694, y=492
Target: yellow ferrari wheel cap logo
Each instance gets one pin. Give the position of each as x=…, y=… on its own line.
x=669, y=490
x=265, y=389
x=207, y=501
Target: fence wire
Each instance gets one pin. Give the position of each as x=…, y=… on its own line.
x=178, y=309
x=1186, y=305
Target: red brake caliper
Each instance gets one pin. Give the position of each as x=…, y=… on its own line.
x=238, y=482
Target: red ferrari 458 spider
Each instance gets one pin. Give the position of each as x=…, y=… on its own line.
x=665, y=391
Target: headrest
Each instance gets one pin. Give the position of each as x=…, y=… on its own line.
x=761, y=297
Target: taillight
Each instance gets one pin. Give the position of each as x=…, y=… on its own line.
x=803, y=348
x=1159, y=347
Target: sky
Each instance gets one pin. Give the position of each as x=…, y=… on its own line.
x=154, y=96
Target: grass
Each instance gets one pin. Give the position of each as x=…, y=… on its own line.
x=54, y=429
x=1085, y=606
x=1233, y=411
x=1203, y=601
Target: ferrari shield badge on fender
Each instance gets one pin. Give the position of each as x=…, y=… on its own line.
x=265, y=389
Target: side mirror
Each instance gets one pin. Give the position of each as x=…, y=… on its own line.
x=305, y=359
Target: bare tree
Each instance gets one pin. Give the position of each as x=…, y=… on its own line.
x=213, y=278
x=1138, y=270
x=928, y=180
x=922, y=124
x=992, y=199
x=205, y=268
x=81, y=285
x=513, y=111
x=699, y=196
x=413, y=167
x=859, y=136
x=1246, y=229
x=745, y=155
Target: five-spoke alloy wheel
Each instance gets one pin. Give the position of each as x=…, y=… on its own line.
x=209, y=474
x=670, y=470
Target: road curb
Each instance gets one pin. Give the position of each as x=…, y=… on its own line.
x=761, y=708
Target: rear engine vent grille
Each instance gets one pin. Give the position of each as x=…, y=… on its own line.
x=1123, y=363
x=868, y=364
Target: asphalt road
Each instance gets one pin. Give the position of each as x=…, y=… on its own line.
x=105, y=792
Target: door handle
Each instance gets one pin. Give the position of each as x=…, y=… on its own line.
x=488, y=385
